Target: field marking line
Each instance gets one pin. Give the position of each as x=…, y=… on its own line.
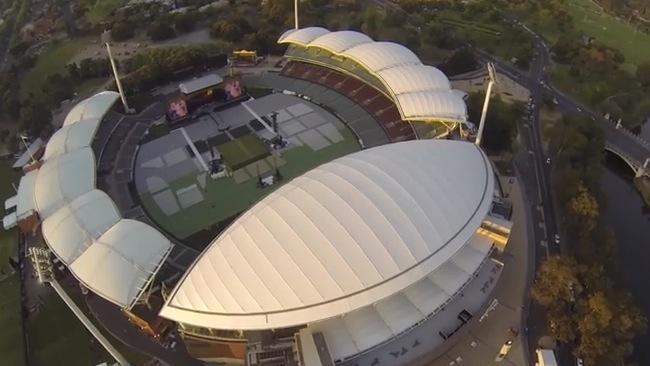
x=194, y=149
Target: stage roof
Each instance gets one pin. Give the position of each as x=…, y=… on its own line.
x=340, y=237
x=194, y=85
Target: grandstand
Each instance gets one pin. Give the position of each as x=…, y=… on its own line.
x=112, y=256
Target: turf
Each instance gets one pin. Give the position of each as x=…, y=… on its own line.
x=51, y=61
x=11, y=337
x=102, y=9
x=8, y=239
x=243, y=151
x=57, y=337
x=606, y=29
x=224, y=198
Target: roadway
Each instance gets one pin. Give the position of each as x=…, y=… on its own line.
x=535, y=166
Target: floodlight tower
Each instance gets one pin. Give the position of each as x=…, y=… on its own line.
x=295, y=13
x=492, y=74
x=117, y=79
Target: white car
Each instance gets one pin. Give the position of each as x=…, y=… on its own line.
x=579, y=362
x=557, y=239
x=504, y=351
x=548, y=160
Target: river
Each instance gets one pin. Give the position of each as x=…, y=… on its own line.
x=630, y=220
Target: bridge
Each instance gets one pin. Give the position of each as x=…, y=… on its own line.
x=632, y=149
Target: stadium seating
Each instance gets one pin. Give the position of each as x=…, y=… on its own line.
x=374, y=102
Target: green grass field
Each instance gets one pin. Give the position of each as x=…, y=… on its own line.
x=606, y=29
x=57, y=337
x=224, y=198
x=101, y=9
x=8, y=239
x=12, y=349
x=494, y=38
x=243, y=151
x=51, y=61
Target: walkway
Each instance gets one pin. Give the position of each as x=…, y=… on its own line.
x=481, y=342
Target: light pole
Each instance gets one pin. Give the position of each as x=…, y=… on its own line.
x=295, y=13
x=493, y=79
x=117, y=79
x=23, y=138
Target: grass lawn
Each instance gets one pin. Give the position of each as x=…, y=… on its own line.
x=51, y=61
x=101, y=9
x=494, y=38
x=606, y=29
x=57, y=337
x=8, y=239
x=224, y=198
x=11, y=337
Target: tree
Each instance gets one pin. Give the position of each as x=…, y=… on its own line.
x=278, y=11
x=582, y=212
x=160, y=30
x=500, y=128
x=460, y=62
x=555, y=280
x=643, y=73
x=185, y=22
x=231, y=30
x=121, y=31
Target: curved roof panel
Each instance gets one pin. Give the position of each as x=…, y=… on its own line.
x=340, y=237
x=377, y=56
x=302, y=36
x=444, y=105
x=74, y=227
x=71, y=137
x=396, y=67
x=121, y=262
x=93, y=107
x=340, y=41
x=414, y=78
x=64, y=178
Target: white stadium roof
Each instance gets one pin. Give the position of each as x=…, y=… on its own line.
x=121, y=262
x=415, y=78
x=71, y=137
x=396, y=67
x=114, y=257
x=64, y=178
x=93, y=107
x=445, y=104
x=341, y=237
x=337, y=42
x=303, y=36
x=74, y=227
x=369, y=326
x=377, y=56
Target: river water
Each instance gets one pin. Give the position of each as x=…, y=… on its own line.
x=630, y=220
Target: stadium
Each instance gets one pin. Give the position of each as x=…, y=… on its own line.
x=301, y=215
